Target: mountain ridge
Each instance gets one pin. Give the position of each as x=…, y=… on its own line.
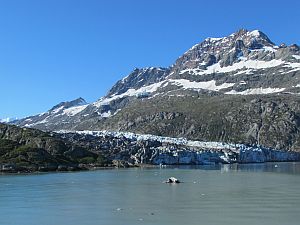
x=246, y=67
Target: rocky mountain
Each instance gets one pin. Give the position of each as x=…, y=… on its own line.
x=241, y=89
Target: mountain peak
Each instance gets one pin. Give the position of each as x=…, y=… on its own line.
x=76, y=102
x=253, y=33
x=242, y=31
x=256, y=33
x=225, y=50
x=241, y=34
x=137, y=78
x=79, y=101
x=250, y=37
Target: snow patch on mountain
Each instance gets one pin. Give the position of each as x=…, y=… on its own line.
x=185, y=84
x=105, y=114
x=57, y=110
x=207, y=85
x=213, y=40
x=292, y=65
x=37, y=123
x=74, y=110
x=296, y=56
x=255, y=33
x=242, y=65
x=256, y=91
x=270, y=49
x=130, y=92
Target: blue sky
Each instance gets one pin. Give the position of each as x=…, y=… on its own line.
x=58, y=50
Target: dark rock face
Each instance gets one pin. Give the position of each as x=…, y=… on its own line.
x=29, y=150
x=241, y=88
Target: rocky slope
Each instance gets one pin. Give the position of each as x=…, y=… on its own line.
x=241, y=88
x=29, y=150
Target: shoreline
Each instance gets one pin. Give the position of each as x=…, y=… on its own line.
x=140, y=166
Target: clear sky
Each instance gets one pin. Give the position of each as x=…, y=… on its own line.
x=58, y=50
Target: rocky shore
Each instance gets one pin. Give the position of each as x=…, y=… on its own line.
x=29, y=150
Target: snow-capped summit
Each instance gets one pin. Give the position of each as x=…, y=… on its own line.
x=226, y=50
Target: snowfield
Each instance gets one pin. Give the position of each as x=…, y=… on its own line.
x=207, y=85
x=256, y=91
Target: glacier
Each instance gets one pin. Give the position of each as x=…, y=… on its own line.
x=159, y=150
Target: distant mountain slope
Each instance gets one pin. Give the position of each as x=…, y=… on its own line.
x=8, y=120
x=240, y=88
x=56, y=116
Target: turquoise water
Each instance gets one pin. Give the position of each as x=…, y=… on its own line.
x=230, y=194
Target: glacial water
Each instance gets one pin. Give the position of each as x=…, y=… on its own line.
x=229, y=194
